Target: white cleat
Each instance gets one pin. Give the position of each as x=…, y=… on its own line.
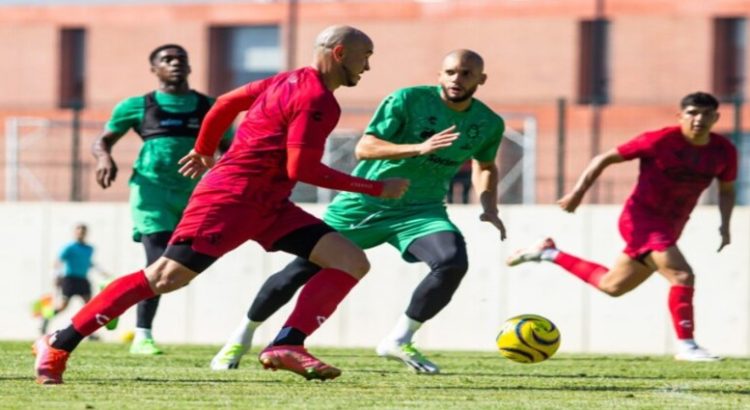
x=409, y=355
x=696, y=354
x=530, y=254
x=229, y=356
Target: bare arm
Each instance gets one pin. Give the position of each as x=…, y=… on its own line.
x=571, y=200
x=106, y=169
x=484, y=177
x=726, y=206
x=372, y=147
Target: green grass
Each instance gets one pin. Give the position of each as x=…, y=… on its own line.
x=105, y=376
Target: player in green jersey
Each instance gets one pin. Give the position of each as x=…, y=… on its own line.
x=167, y=120
x=404, y=139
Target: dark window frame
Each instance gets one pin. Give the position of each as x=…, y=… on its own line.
x=593, y=69
x=729, y=54
x=72, y=74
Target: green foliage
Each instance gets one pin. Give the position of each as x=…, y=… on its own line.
x=105, y=376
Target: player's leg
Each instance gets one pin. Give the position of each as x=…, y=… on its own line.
x=275, y=292
x=143, y=342
x=626, y=274
x=167, y=274
x=671, y=264
x=445, y=254
x=342, y=264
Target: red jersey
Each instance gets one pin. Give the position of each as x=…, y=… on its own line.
x=673, y=172
x=289, y=109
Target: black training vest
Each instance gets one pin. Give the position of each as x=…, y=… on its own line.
x=159, y=123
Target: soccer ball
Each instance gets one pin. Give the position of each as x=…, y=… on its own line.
x=528, y=339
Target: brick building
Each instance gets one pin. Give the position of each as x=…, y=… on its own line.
x=621, y=66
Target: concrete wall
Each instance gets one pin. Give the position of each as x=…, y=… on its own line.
x=208, y=310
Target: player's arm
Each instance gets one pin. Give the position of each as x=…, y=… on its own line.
x=215, y=124
x=571, y=200
x=372, y=147
x=106, y=168
x=484, y=177
x=726, y=206
x=304, y=164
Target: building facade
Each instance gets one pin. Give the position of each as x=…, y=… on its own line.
x=594, y=72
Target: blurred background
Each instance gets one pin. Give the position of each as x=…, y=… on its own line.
x=572, y=77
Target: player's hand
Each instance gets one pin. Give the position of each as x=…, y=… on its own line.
x=725, y=238
x=494, y=219
x=195, y=164
x=442, y=139
x=570, y=201
x=106, y=171
x=394, y=188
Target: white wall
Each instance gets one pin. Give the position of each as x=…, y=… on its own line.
x=209, y=308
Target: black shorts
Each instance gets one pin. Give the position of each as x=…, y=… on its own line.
x=299, y=242
x=75, y=286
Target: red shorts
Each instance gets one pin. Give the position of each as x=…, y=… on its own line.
x=645, y=233
x=217, y=221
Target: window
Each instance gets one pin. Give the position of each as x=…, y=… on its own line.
x=729, y=57
x=242, y=54
x=592, y=64
x=72, y=67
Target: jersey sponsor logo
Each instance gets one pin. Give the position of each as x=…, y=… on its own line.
x=170, y=122
x=194, y=123
x=442, y=161
x=687, y=324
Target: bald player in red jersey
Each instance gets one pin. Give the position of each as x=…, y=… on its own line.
x=246, y=197
x=676, y=165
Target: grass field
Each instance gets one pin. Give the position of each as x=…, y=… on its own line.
x=105, y=376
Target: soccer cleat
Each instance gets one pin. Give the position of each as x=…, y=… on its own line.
x=409, y=355
x=696, y=354
x=145, y=347
x=50, y=362
x=531, y=254
x=296, y=359
x=229, y=356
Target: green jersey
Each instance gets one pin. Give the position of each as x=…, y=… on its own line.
x=412, y=115
x=157, y=159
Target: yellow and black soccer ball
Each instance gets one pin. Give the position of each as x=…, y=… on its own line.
x=528, y=339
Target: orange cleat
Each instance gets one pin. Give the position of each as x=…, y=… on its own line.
x=49, y=363
x=296, y=359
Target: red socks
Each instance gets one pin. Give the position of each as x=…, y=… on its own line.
x=110, y=303
x=589, y=272
x=319, y=298
x=681, y=308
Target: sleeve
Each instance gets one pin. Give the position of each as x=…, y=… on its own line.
x=303, y=164
x=389, y=118
x=488, y=151
x=729, y=173
x=221, y=115
x=637, y=147
x=311, y=123
x=63, y=254
x=127, y=114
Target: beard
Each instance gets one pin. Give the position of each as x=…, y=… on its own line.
x=467, y=94
x=350, y=79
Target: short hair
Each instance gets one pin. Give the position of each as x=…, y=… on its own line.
x=699, y=99
x=157, y=50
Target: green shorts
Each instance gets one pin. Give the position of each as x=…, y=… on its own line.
x=369, y=225
x=155, y=208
